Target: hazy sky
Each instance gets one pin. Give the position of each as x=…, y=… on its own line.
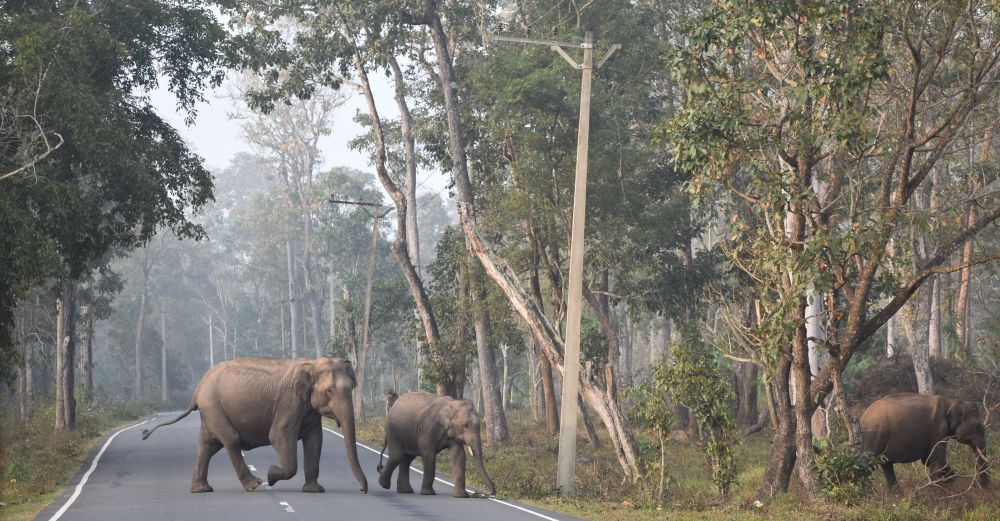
x=217, y=138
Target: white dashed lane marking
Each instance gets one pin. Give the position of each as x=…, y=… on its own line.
x=288, y=508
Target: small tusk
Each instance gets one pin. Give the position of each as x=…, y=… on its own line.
x=468, y=448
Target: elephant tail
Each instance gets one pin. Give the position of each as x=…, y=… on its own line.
x=194, y=406
x=385, y=443
x=390, y=399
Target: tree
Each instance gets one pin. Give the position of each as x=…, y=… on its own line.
x=795, y=123
x=122, y=172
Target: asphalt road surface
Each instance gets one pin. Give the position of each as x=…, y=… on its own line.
x=130, y=479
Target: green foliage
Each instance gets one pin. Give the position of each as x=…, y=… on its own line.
x=844, y=476
x=695, y=380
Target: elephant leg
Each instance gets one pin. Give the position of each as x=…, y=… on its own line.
x=395, y=458
x=403, y=479
x=284, y=444
x=207, y=447
x=427, y=488
x=312, y=446
x=248, y=480
x=458, y=468
x=890, y=474
x=937, y=462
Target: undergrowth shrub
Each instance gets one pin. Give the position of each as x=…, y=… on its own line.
x=844, y=476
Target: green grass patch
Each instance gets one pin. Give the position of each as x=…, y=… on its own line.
x=36, y=463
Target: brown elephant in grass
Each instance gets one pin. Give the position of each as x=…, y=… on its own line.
x=423, y=424
x=251, y=402
x=907, y=427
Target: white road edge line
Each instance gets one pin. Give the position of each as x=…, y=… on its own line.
x=450, y=484
x=93, y=465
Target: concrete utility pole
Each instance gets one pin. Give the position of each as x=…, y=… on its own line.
x=565, y=479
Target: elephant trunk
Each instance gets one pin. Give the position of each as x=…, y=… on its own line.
x=982, y=467
x=477, y=455
x=345, y=414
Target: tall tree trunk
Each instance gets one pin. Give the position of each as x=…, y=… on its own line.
x=913, y=316
x=88, y=357
x=890, y=338
x=66, y=356
x=410, y=154
x=494, y=415
x=294, y=322
x=284, y=341
x=163, y=353
x=545, y=364
x=140, y=322
x=934, y=293
x=405, y=241
x=935, y=347
x=607, y=407
x=747, y=411
x=588, y=425
x=531, y=353
x=781, y=460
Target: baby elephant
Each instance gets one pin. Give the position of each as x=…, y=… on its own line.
x=423, y=424
x=907, y=427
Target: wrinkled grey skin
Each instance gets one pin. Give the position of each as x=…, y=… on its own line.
x=907, y=427
x=250, y=402
x=423, y=424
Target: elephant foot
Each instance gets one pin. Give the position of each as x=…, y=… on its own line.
x=275, y=474
x=428, y=492
x=251, y=484
x=197, y=488
x=383, y=481
x=313, y=487
x=461, y=494
x=404, y=489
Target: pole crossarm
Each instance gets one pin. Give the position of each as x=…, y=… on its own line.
x=357, y=203
x=547, y=43
x=558, y=47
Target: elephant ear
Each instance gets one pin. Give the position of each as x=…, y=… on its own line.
x=956, y=415
x=301, y=380
x=446, y=415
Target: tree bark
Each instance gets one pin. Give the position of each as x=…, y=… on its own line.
x=588, y=425
x=494, y=415
x=531, y=353
x=410, y=155
x=66, y=356
x=402, y=246
x=746, y=379
x=163, y=353
x=88, y=358
x=545, y=364
x=781, y=460
x=140, y=322
x=294, y=325
x=916, y=334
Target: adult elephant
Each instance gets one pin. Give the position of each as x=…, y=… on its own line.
x=250, y=402
x=423, y=424
x=907, y=427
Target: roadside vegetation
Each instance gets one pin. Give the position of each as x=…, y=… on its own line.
x=520, y=470
x=36, y=462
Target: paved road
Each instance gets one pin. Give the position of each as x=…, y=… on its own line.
x=135, y=480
